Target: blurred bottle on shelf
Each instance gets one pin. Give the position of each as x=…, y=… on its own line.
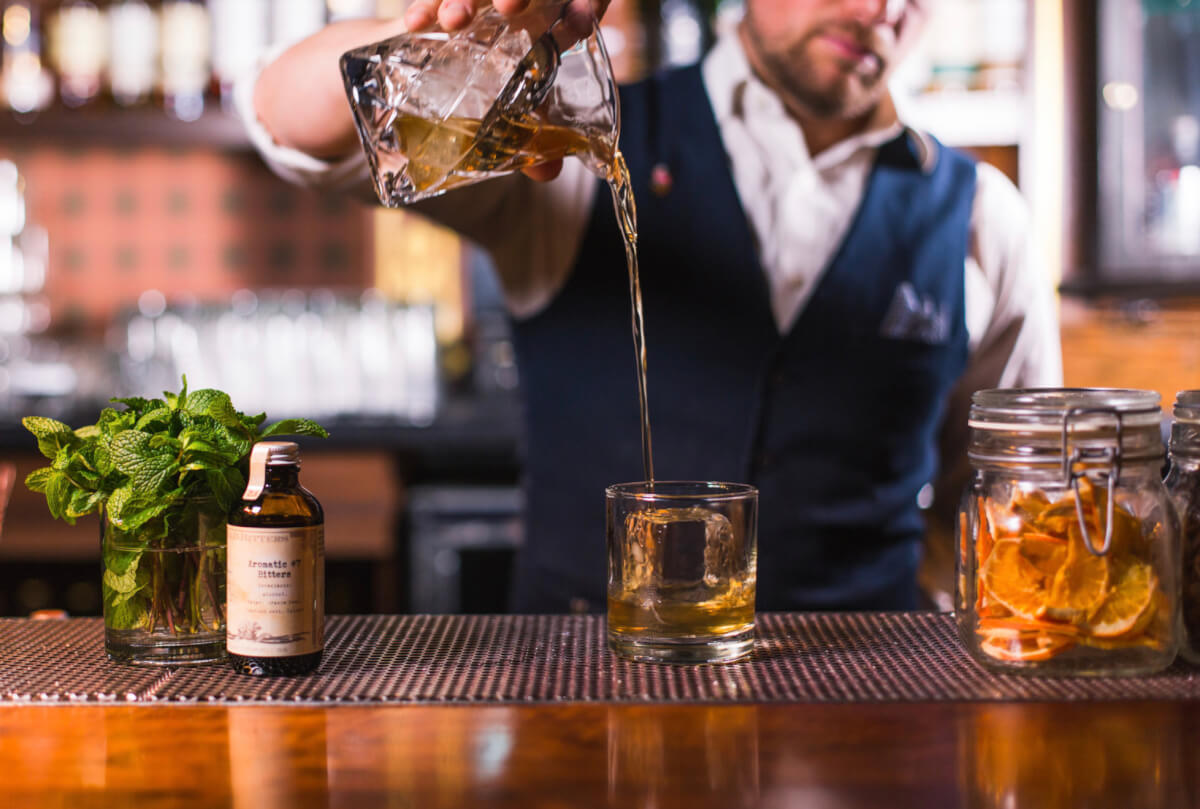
x=240, y=32
x=78, y=39
x=186, y=57
x=30, y=367
x=28, y=86
x=133, y=55
x=1173, y=210
x=293, y=20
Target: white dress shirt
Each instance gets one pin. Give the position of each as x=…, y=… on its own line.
x=799, y=207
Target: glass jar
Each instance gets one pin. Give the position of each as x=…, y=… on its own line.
x=1068, y=551
x=1183, y=482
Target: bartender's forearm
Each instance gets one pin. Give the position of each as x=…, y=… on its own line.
x=300, y=99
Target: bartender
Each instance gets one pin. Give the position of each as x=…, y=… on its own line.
x=822, y=285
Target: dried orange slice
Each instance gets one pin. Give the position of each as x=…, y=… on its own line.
x=1055, y=519
x=984, y=538
x=1080, y=585
x=1022, y=649
x=1048, y=554
x=995, y=611
x=1029, y=505
x=993, y=625
x=1011, y=580
x=1130, y=604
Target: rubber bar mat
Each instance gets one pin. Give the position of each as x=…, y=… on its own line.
x=848, y=657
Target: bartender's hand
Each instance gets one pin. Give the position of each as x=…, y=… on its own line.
x=452, y=15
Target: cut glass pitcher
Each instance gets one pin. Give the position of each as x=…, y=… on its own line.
x=437, y=110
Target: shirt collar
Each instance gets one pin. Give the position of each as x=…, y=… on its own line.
x=736, y=93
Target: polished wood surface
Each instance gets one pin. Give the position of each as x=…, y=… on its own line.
x=831, y=756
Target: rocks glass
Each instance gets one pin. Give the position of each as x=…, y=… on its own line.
x=682, y=568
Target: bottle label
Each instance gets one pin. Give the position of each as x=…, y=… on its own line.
x=276, y=591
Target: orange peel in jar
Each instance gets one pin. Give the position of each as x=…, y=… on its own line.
x=1013, y=581
x=1080, y=585
x=1129, y=607
x=1042, y=591
x=1038, y=647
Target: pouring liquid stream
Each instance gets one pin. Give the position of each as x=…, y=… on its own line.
x=626, y=210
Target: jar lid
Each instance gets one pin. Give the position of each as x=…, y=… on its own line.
x=1045, y=409
x=1043, y=426
x=1187, y=406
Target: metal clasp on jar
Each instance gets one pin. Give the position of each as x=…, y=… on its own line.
x=1090, y=456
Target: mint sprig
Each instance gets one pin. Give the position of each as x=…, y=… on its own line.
x=187, y=444
x=141, y=462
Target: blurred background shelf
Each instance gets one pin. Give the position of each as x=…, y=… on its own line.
x=969, y=117
x=133, y=128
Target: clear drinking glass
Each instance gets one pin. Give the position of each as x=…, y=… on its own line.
x=682, y=568
x=163, y=586
x=437, y=110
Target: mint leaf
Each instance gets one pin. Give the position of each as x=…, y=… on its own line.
x=113, y=421
x=145, y=459
x=38, y=478
x=118, y=501
x=227, y=486
x=135, y=402
x=141, y=512
x=120, y=559
x=175, y=400
x=129, y=613
x=58, y=496
x=42, y=427
x=125, y=582
x=295, y=427
x=216, y=405
x=83, y=502
x=160, y=416
x=51, y=435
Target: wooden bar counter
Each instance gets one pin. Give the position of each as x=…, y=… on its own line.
x=455, y=729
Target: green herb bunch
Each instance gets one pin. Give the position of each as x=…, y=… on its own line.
x=153, y=467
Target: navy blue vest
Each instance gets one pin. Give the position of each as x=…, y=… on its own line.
x=835, y=421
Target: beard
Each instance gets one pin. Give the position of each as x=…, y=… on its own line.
x=793, y=72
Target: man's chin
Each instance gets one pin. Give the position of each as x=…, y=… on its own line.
x=848, y=99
